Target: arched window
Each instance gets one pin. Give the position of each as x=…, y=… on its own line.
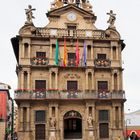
x=53, y=80
x=25, y=79
x=89, y=52
x=53, y=50
x=114, y=53
x=89, y=80
x=26, y=46
x=115, y=81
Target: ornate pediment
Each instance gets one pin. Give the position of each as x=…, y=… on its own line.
x=70, y=7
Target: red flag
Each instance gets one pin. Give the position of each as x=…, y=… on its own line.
x=3, y=105
x=65, y=54
x=77, y=54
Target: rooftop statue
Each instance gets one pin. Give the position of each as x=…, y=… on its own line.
x=111, y=19
x=29, y=14
x=56, y=4
x=85, y=4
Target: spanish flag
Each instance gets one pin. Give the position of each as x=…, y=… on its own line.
x=65, y=54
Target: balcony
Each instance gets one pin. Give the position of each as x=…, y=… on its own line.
x=102, y=63
x=61, y=32
x=39, y=61
x=64, y=94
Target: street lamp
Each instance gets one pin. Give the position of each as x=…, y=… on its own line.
x=127, y=121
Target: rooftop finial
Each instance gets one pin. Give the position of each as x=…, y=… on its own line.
x=29, y=14
x=111, y=19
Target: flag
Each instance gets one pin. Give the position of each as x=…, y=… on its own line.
x=56, y=53
x=84, y=55
x=3, y=100
x=65, y=54
x=77, y=53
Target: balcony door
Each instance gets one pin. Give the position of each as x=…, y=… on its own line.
x=72, y=85
x=71, y=59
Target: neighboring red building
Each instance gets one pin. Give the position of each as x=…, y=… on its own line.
x=132, y=123
x=5, y=111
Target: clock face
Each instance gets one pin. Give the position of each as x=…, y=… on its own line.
x=71, y=16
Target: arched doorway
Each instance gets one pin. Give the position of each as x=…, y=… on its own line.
x=72, y=125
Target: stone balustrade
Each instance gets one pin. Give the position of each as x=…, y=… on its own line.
x=61, y=94
x=62, y=32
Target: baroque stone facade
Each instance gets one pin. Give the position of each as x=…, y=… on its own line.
x=70, y=82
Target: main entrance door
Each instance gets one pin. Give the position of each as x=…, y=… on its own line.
x=72, y=125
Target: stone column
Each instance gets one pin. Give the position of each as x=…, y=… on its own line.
x=19, y=79
x=118, y=80
x=50, y=112
x=92, y=56
x=113, y=117
x=22, y=80
x=56, y=79
x=57, y=122
x=86, y=80
x=50, y=79
x=23, y=51
x=111, y=53
x=50, y=51
x=112, y=80
x=93, y=112
x=87, y=113
x=120, y=119
x=28, y=119
x=117, y=53
x=28, y=80
x=93, y=81
x=21, y=118
x=29, y=51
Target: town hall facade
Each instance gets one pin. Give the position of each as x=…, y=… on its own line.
x=70, y=73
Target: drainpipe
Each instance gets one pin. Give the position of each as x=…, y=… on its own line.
x=12, y=118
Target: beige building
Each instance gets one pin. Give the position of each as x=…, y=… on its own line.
x=70, y=82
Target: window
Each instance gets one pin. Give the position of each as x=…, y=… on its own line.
x=89, y=52
x=103, y=130
x=40, y=132
x=40, y=84
x=103, y=115
x=71, y=30
x=102, y=85
x=114, y=52
x=101, y=56
x=71, y=85
x=40, y=116
x=26, y=46
x=71, y=59
x=41, y=54
x=53, y=50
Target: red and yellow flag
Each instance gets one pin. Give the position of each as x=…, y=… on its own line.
x=77, y=53
x=65, y=54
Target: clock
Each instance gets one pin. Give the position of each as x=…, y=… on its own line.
x=71, y=16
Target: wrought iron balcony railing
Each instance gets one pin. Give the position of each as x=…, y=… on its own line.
x=61, y=94
x=39, y=61
x=102, y=63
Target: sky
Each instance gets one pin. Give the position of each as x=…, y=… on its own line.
x=12, y=14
